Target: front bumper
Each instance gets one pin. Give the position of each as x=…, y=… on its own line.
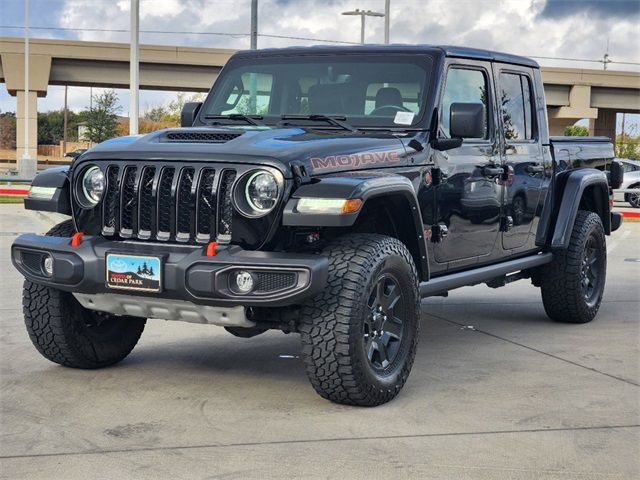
x=187, y=273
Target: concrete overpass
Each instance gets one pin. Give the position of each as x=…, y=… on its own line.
x=572, y=94
x=99, y=64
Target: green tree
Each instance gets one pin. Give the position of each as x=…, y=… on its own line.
x=51, y=127
x=175, y=106
x=7, y=130
x=156, y=114
x=102, y=119
x=629, y=148
x=576, y=131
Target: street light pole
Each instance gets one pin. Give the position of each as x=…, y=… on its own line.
x=387, y=20
x=134, y=67
x=254, y=24
x=253, y=79
x=363, y=14
x=27, y=167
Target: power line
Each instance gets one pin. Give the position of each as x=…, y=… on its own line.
x=176, y=32
x=582, y=60
x=286, y=37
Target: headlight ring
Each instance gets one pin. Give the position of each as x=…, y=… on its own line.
x=91, y=185
x=257, y=193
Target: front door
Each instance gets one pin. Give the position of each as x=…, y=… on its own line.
x=522, y=155
x=469, y=199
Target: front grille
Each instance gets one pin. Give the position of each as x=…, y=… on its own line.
x=201, y=137
x=168, y=203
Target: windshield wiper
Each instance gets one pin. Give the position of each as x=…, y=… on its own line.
x=250, y=119
x=337, y=121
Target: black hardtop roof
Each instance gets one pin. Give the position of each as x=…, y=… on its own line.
x=446, y=50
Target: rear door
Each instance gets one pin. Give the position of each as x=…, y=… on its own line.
x=468, y=201
x=521, y=155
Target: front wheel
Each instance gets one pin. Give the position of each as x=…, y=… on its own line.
x=68, y=334
x=360, y=334
x=573, y=283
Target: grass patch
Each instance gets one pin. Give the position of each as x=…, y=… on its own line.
x=11, y=199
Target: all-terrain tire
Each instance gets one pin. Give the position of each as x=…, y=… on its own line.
x=70, y=335
x=337, y=325
x=573, y=283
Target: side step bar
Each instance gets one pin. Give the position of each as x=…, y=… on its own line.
x=439, y=285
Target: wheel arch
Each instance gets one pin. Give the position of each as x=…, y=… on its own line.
x=580, y=189
x=50, y=192
x=389, y=198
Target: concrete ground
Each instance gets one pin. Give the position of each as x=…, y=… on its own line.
x=497, y=391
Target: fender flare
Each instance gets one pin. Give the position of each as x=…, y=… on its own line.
x=364, y=188
x=50, y=192
x=570, y=187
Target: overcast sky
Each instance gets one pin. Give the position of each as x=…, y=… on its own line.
x=577, y=29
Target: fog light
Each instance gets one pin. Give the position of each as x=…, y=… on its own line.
x=47, y=265
x=244, y=281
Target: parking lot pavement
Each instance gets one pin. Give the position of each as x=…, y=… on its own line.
x=497, y=391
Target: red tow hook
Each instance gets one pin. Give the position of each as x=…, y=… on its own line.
x=76, y=239
x=211, y=249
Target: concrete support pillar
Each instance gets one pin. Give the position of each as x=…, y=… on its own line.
x=21, y=120
x=557, y=125
x=13, y=71
x=604, y=125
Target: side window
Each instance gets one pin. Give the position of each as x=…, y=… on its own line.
x=515, y=106
x=464, y=86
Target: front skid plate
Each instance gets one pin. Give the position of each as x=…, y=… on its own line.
x=166, y=309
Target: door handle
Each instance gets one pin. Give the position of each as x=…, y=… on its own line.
x=492, y=171
x=535, y=168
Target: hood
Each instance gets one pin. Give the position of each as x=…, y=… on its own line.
x=318, y=151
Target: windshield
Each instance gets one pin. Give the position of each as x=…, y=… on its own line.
x=364, y=90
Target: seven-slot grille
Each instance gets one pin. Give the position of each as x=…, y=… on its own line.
x=168, y=202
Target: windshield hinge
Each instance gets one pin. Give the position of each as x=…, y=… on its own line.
x=300, y=174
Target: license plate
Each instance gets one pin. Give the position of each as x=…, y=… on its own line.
x=134, y=272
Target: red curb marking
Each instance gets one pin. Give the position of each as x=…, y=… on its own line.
x=13, y=191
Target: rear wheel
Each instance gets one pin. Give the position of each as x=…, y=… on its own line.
x=66, y=333
x=633, y=198
x=573, y=283
x=359, y=335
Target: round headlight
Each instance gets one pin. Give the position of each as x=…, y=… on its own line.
x=261, y=192
x=93, y=185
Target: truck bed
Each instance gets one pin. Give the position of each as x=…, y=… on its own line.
x=576, y=152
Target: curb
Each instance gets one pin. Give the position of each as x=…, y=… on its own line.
x=14, y=191
x=630, y=216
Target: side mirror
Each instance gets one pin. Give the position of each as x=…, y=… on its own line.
x=616, y=175
x=467, y=120
x=189, y=113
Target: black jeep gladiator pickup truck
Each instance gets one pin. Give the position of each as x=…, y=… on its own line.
x=323, y=191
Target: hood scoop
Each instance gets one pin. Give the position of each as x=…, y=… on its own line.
x=198, y=136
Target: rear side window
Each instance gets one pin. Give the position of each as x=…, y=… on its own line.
x=515, y=106
x=464, y=86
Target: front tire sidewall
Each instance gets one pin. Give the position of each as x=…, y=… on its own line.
x=389, y=377
x=332, y=324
